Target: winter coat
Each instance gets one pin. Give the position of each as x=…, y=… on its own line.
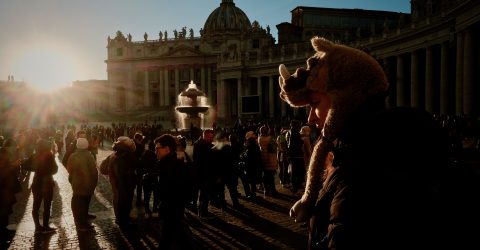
x=83, y=172
x=174, y=186
x=268, y=153
x=45, y=167
x=392, y=188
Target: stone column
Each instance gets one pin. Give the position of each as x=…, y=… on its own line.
x=429, y=88
x=387, y=69
x=400, y=82
x=161, y=88
x=459, y=75
x=239, y=96
x=259, y=93
x=202, y=79
x=177, y=81
x=113, y=93
x=128, y=91
x=468, y=74
x=295, y=48
x=415, y=84
x=444, y=79
x=167, y=87
x=209, y=84
x=221, y=101
x=271, y=107
x=146, y=90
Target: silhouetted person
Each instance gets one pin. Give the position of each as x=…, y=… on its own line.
x=378, y=178
x=83, y=173
x=120, y=167
x=42, y=162
x=9, y=184
x=202, y=161
x=174, y=192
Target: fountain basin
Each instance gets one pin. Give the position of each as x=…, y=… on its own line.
x=192, y=110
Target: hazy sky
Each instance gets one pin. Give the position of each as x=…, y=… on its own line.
x=50, y=43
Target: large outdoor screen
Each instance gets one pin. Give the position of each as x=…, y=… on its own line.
x=251, y=104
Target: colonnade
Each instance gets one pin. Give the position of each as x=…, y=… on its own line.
x=230, y=93
x=442, y=77
x=170, y=76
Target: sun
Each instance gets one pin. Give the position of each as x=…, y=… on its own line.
x=45, y=68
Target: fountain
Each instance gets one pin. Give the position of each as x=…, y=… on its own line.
x=191, y=107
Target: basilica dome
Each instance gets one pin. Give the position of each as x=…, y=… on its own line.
x=226, y=19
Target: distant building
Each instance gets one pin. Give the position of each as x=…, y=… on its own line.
x=234, y=61
x=90, y=96
x=433, y=62
x=431, y=58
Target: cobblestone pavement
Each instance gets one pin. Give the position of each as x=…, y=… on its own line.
x=263, y=224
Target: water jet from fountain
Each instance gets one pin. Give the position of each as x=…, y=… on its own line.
x=192, y=108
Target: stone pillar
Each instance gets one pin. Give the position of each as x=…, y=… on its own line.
x=128, y=91
x=400, y=82
x=113, y=93
x=239, y=96
x=177, y=81
x=146, y=90
x=161, y=88
x=459, y=75
x=202, y=79
x=387, y=69
x=415, y=84
x=209, y=84
x=429, y=88
x=167, y=87
x=221, y=101
x=271, y=107
x=259, y=93
x=468, y=74
x=444, y=79
x=295, y=48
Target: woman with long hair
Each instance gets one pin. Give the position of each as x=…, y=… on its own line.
x=43, y=163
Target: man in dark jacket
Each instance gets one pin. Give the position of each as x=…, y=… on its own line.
x=120, y=167
x=139, y=168
x=296, y=155
x=202, y=150
x=378, y=178
x=174, y=193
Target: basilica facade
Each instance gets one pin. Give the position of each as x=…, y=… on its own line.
x=431, y=57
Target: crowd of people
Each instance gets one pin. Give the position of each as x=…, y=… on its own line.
x=152, y=168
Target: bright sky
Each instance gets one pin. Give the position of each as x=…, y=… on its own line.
x=51, y=43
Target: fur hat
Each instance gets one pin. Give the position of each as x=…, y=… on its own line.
x=348, y=77
x=305, y=130
x=250, y=134
x=124, y=142
x=139, y=136
x=82, y=143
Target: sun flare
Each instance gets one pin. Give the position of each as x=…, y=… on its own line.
x=45, y=68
